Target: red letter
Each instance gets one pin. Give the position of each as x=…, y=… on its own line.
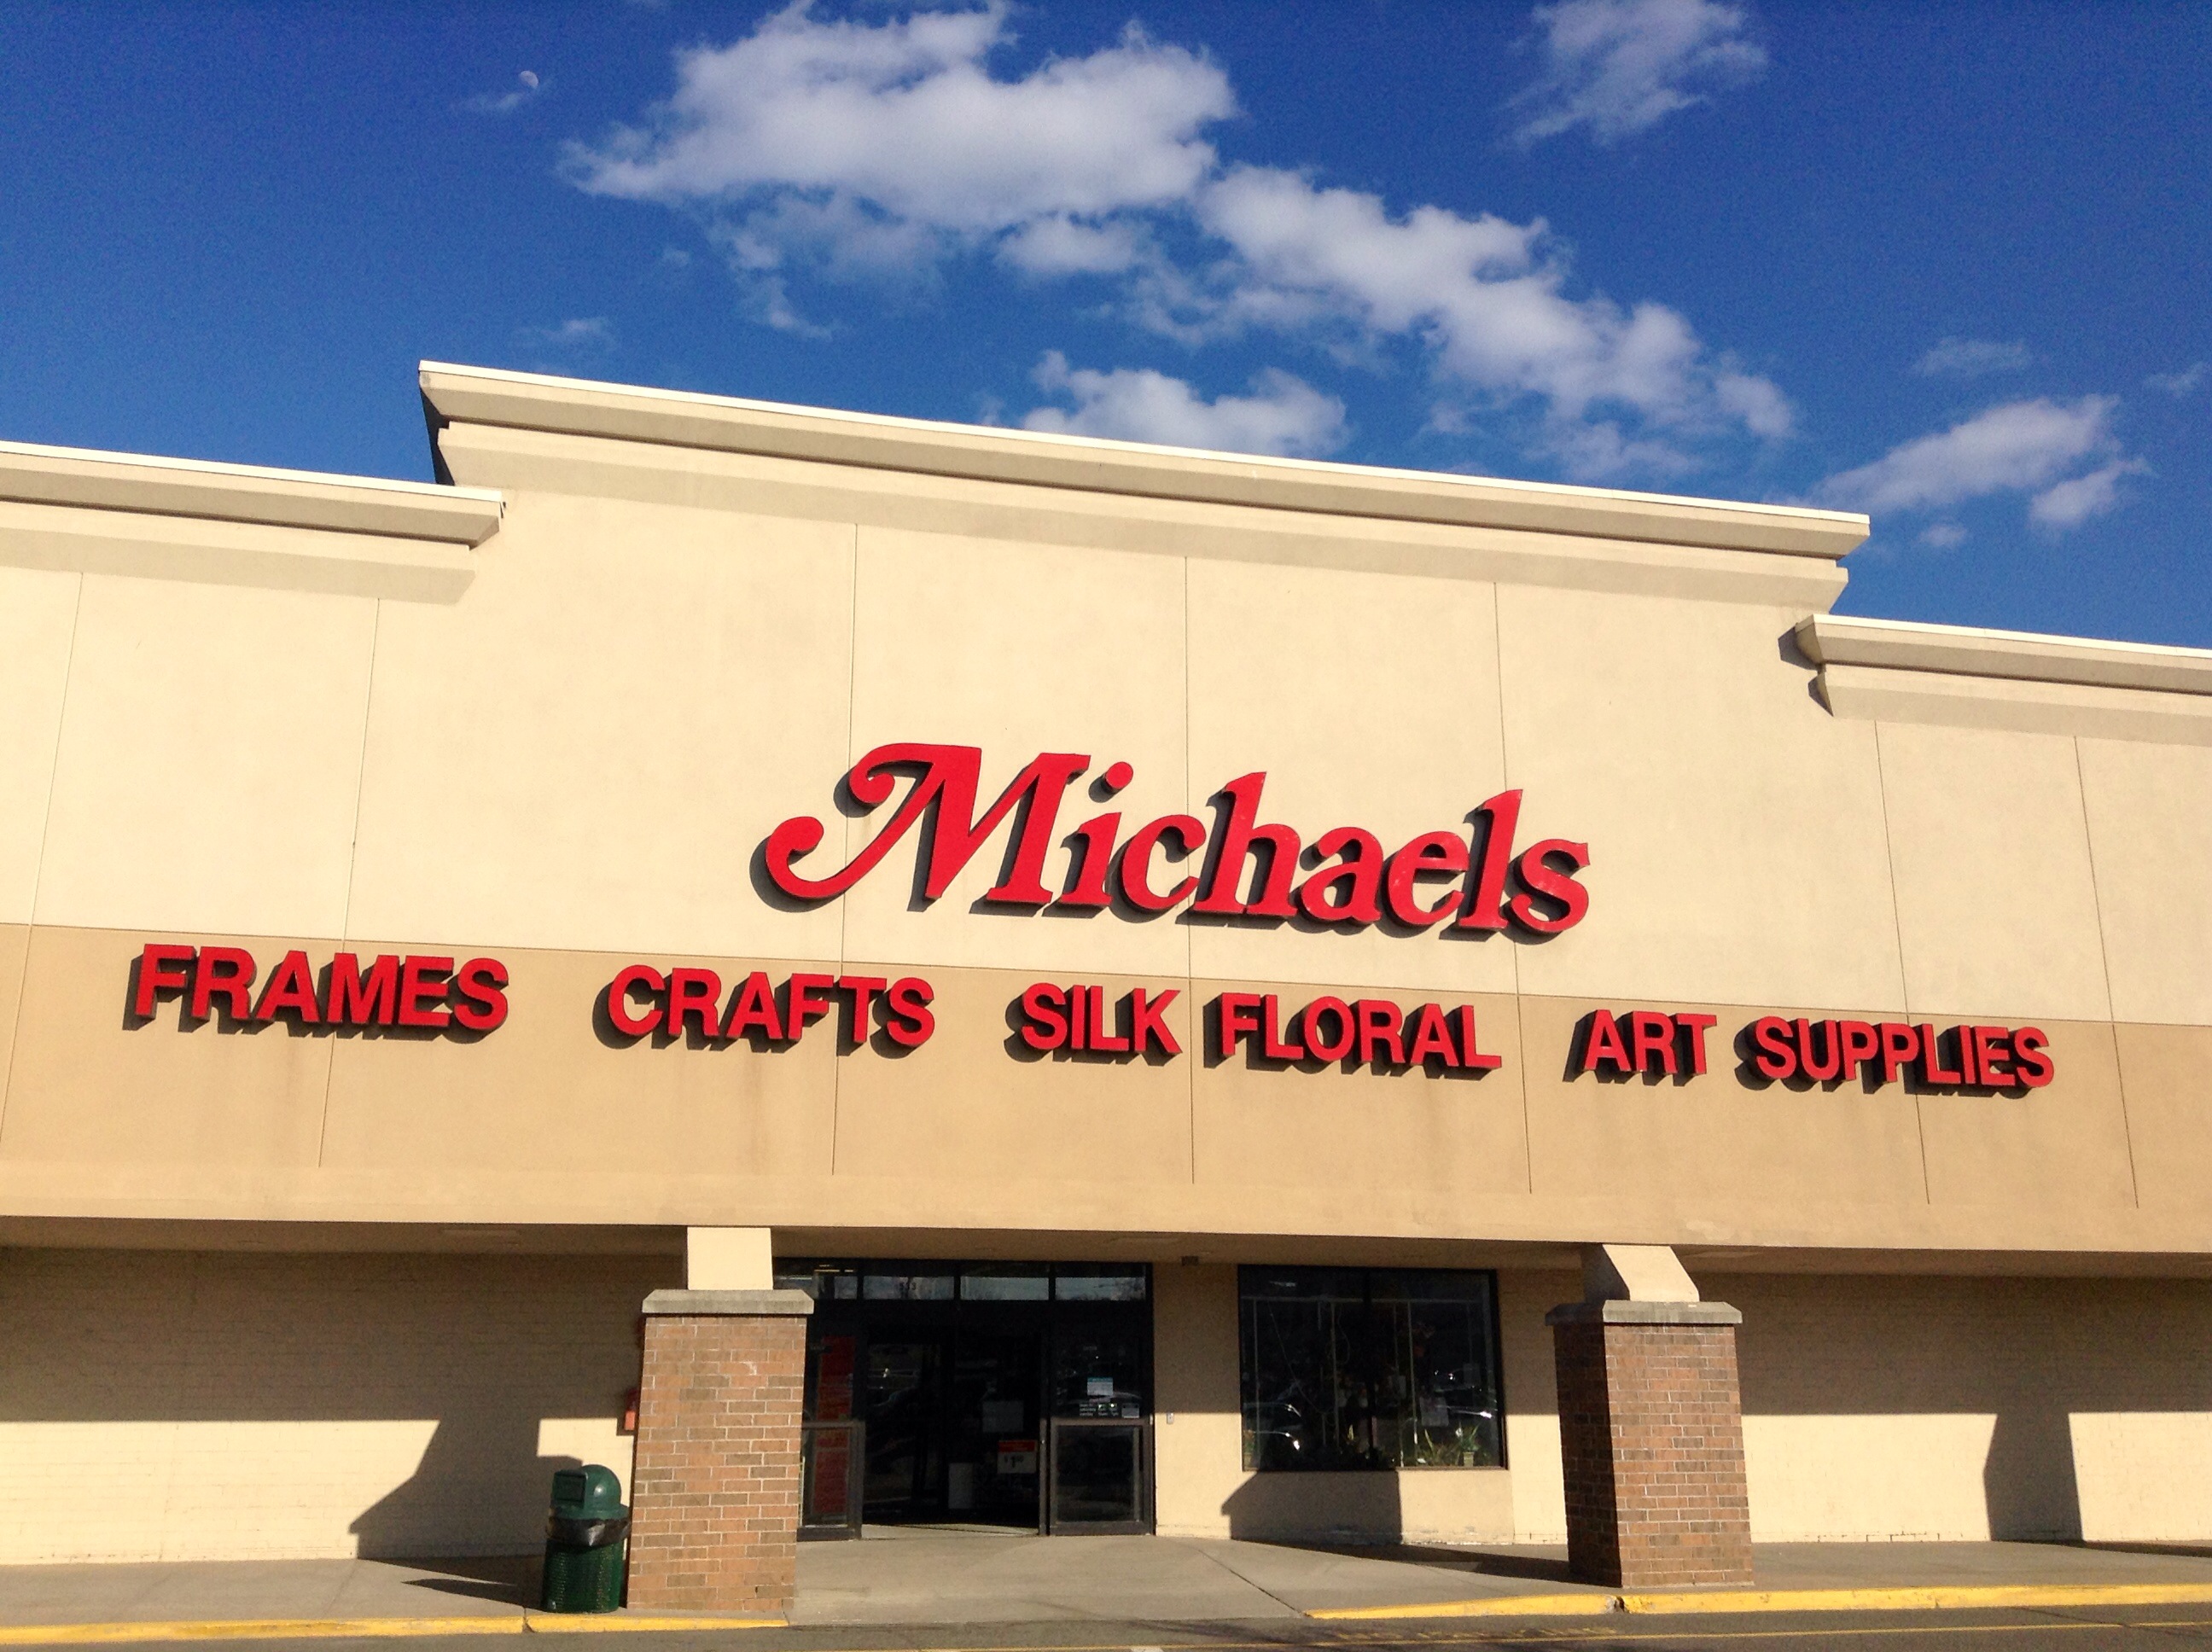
x=1695, y=1026
x=291, y=987
x=804, y=996
x=1469, y=1055
x=752, y=1010
x=1238, y=837
x=1381, y=1023
x=1651, y=1036
x=482, y=1007
x=1148, y=1024
x=1094, y=855
x=1859, y=1041
x=1361, y=874
x=1775, y=1060
x=1431, y=1039
x=948, y=780
x=1338, y=1047
x=1831, y=1065
x=694, y=994
x=1992, y=1057
x=1237, y=1017
x=910, y=1023
x=1538, y=878
x=1433, y=854
x=1604, y=1044
x=157, y=973
x=354, y=1001
x=1899, y=1044
x=1103, y=1040
x=2031, y=1066
x=1271, y=1047
x=416, y=984
x=1136, y=859
x=1485, y=906
x=864, y=989
x=223, y=972
x=1932, y=1071
x=619, y=992
x=1043, y=1026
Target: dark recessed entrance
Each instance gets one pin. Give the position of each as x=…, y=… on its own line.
x=1005, y=1394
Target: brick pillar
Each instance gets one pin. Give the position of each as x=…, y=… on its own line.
x=715, y=1494
x=1651, y=1432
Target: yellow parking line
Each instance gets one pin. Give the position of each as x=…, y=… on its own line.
x=1940, y=1598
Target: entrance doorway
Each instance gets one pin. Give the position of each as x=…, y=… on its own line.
x=999, y=1394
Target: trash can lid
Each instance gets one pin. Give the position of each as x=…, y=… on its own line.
x=591, y=1492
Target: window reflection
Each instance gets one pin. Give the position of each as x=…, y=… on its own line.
x=1369, y=1369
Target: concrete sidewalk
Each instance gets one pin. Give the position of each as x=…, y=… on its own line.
x=941, y=1578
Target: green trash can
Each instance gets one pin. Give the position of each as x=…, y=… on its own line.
x=587, y=1538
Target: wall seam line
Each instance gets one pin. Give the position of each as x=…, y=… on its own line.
x=2105, y=961
x=38, y=861
x=1897, y=932
x=852, y=697
x=1189, y=935
x=1513, y=953
x=353, y=862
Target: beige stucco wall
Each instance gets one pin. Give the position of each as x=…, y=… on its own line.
x=178, y=1405
x=663, y=651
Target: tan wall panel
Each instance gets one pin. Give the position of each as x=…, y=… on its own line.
x=221, y=1407
x=585, y=750
x=1198, y=1423
x=1400, y=1133
x=1712, y=1136
x=2141, y=1476
x=2150, y=828
x=2165, y=1076
x=1995, y=900
x=557, y=1089
x=38, y=618
x=963, y=1109
x=1532, y=1401
x=1017, y=649
x=1734, y=828
x=15, y=951
x=211, y=759
x=88, y=1086
x=2066, y=1144
x=1367, y=701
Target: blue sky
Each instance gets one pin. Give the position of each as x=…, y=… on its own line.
x=1952, y=265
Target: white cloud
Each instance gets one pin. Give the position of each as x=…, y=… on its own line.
x=1619, y=67
x=851, y=151
x=2026, y=446
x=1283, y=415
x=578, y=333
x=2184, y=383
x=2070, y=503
x=1971, y=358
x=905, y=117
x=527, y=86
x=1943, y=536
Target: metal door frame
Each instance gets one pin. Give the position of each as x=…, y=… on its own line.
x=856, y=1480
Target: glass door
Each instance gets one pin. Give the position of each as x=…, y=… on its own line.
x=1099, y=1479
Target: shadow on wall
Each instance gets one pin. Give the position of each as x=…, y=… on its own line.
x=1341, y=1508
x=2036, y=1355
x=304, y=1383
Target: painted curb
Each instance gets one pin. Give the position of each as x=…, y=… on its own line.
x=326, y=1629
x=1939, y=1598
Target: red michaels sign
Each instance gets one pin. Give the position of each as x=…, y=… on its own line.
x=1467, y=880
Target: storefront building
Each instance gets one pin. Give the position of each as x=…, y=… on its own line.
x=854, y=968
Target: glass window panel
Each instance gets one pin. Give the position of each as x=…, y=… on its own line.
x=890, y=1286
x=1343, y=1368
x=1098, y=1282
x=1005, y=1282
